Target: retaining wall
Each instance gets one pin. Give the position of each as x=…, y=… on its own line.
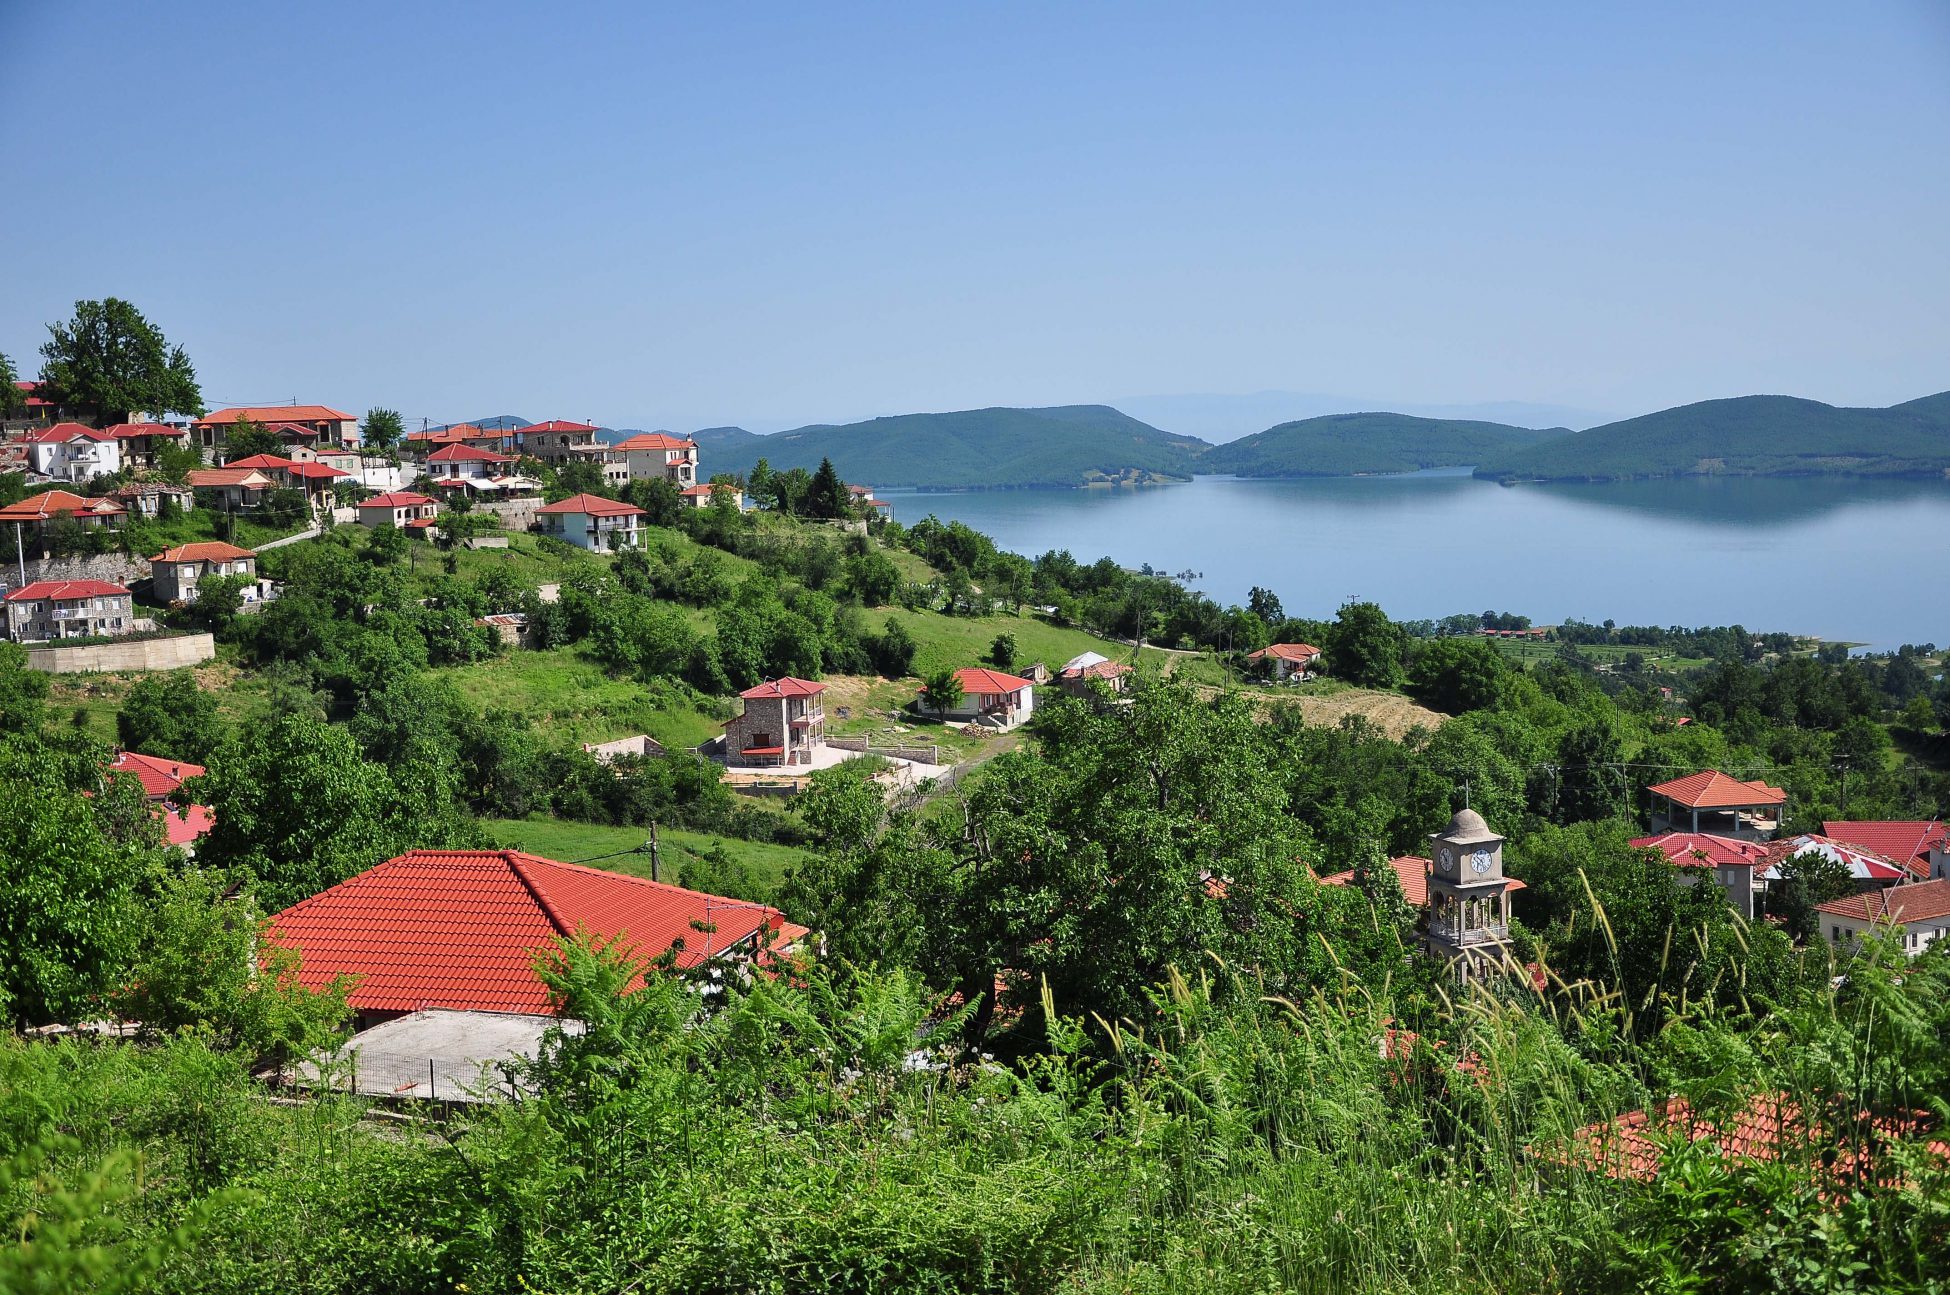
x=143, y=654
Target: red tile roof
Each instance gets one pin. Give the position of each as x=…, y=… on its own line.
x=976, y=680
x=1703, y=850
x=786, y=687
x=460, y=453
x=186, y=825
x=203, y=551
x=264, y=462
x=227, y=477
x=61, y=432
x=274, y=414
x=556, y=425
x=61, y=590
x=1712, y=789
x=591, y=505
x=1301, y=652
x=1863, y=865
x=1096, y=670
x=159, y=777
x=50, y=502
x=1921, y=901
x=395, y=499
x=1907, y=841
x=701, y=489
x=31, y=387
x=316, y=471
x=656, y=441
x=461, y=928
x=1632, y=1146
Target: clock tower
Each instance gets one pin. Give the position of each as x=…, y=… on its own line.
x=1469, y=897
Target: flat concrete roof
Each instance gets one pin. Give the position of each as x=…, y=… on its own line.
x=453, y=1056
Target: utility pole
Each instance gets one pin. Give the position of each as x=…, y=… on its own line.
x=656, y=854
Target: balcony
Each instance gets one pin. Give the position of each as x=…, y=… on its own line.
x=1464, y=937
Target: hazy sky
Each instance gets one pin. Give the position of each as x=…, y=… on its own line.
x=673, y=215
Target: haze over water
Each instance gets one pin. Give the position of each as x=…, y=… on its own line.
x=1863, y=561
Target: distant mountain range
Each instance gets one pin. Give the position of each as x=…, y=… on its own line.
x=1343, y=445
x=1744, y=436
x=1223, y=418
x=1083, y=445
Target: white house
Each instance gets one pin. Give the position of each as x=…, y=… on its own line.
x=703, y=494
x=990, y=698
x=401, y=508
x=1917, y=914
x=591, y=522
x=71, y=452
x=1290, y=660
x=658, y=454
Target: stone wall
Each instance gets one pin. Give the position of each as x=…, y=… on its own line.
x=118, y=568
x=514, y=514
x=144, y=654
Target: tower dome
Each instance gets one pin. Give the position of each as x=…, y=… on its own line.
x=1468, y=827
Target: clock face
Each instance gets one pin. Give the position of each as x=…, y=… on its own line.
x=1445, y=859
x=1479, y=862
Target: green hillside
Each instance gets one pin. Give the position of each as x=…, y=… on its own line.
x=1749, y=435
x=1339, y=445
x=1074, y=445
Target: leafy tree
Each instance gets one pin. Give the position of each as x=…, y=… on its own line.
x=1364, y=647
x=23, y=693
x=175, y=462
x=245, y=438
x=1265, y=604
x=1808, y=879
x=659, y=498
x=74, y=868
x=873, y=578
x=893, y=651
x=386, y=544
x=1002, y=652
x=576, y=477
x=300, y=809
x=167, y=715
x=827, y=497
x=381, y=429
x=111, y=363
x=1455, y=675
x=759, y=480
x=11, y=400
x=205, y=964
x=943, y=691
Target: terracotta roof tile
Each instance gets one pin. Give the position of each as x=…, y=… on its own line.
x=461, y=928
x=1921, y=901
x=1712, y=789
x=159, y=777
x=786, y=687
x=274, y=414
x=1704, y=850
x=203, y=551
x=591, y=505
x=51, y=502
x=62, y=590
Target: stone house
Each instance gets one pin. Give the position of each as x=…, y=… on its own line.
x=60, y=609
x=784, y=724
x=177, y=571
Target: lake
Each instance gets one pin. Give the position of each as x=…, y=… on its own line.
x=1851, y=559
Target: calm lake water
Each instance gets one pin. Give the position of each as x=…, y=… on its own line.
x=1857, y=560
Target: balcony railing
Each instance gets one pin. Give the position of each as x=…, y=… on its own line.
x=1455, y=934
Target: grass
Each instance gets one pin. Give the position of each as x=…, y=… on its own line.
x=613, y=848
x=950, y=642
x=568, y=694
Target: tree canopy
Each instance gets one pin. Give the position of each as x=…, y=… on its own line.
x=111, y=363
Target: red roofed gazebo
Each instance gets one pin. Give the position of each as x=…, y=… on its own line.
x=1712, y=802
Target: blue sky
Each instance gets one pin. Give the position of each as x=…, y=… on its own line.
x=676, y=215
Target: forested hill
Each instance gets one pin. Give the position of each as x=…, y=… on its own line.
x=1748, y=435
x=1070, y=445
x=1339, y=445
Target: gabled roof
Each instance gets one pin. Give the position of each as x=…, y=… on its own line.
x=51, y=502
x=556, y=425
x=1092, y=665
x=1285, y=652
x=786, y=687
x=274, y=414
x=1712, y=789
x=1907, y=842
x=159, y=777
x=1704, y=850
x=591, y=505
x=395, y=499
x=187, y=825
x=701, y=489
x=1922, y=901
x=228, y=477
x=203, y=551
x=655, y=441
x=63, y=590
x=316, y=471
x=1863, y=865
x=30, y=388
x=461, y=928
x=265, y=462
x=63, y=432
x=1634, y=1146
x=461, y=453
x=977, y=679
